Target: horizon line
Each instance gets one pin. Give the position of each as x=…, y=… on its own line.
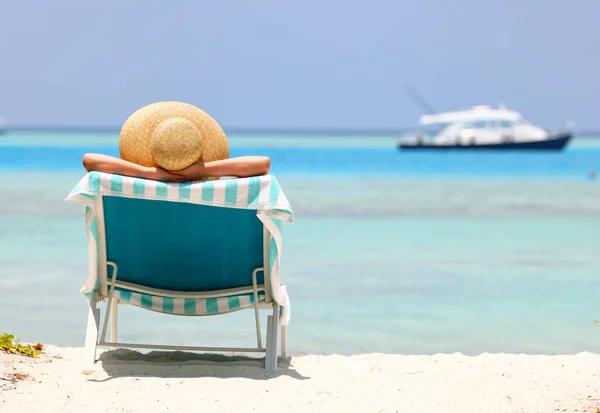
x=244, y=131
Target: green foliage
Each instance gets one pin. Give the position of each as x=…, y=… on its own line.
x=8, y=345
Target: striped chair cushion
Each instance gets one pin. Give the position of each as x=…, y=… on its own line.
x=188, y=306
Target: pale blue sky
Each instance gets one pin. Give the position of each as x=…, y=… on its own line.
x=298, y=65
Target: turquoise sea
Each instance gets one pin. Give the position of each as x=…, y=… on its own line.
x=390, y=252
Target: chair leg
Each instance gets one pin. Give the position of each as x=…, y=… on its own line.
x=269, y=350
x=284, y=342
x=91, y=335
x=114, y=320
x=272, y=330
x=274, y=334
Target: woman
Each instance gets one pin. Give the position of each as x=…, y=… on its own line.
x=241, y=167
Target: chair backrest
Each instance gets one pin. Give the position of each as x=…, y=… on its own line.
x=182, y=247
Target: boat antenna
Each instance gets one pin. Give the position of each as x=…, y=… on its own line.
x=420, y=101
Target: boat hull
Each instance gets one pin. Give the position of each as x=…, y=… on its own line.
x=554, y=143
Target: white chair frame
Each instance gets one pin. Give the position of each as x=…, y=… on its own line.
x=106, y=291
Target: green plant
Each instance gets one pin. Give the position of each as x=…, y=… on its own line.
x=9, y=346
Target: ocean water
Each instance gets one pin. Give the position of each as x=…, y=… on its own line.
x=390, y=252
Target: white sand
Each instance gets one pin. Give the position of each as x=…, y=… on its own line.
x=128, y=382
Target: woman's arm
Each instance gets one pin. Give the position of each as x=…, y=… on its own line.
x=241, y=167
x=108, y=164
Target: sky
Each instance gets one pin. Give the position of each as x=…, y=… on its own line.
x=298, y=65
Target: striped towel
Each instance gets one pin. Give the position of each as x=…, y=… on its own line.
x=261, y=193
x=188, y=306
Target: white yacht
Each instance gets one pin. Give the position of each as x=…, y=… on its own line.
x=483, y=127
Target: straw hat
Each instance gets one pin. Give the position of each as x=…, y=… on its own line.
x=172, y=136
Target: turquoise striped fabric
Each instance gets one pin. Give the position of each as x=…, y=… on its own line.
x=260, y=193
x=187, y=306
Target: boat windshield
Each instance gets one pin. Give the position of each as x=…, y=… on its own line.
x=488, y=124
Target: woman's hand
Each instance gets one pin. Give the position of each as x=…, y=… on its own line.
x=194, y=172
x=159, y=174
x=241, y=167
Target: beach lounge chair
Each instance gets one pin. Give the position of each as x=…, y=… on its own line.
x=191, y=249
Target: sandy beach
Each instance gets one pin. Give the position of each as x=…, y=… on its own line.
x=127, y=381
